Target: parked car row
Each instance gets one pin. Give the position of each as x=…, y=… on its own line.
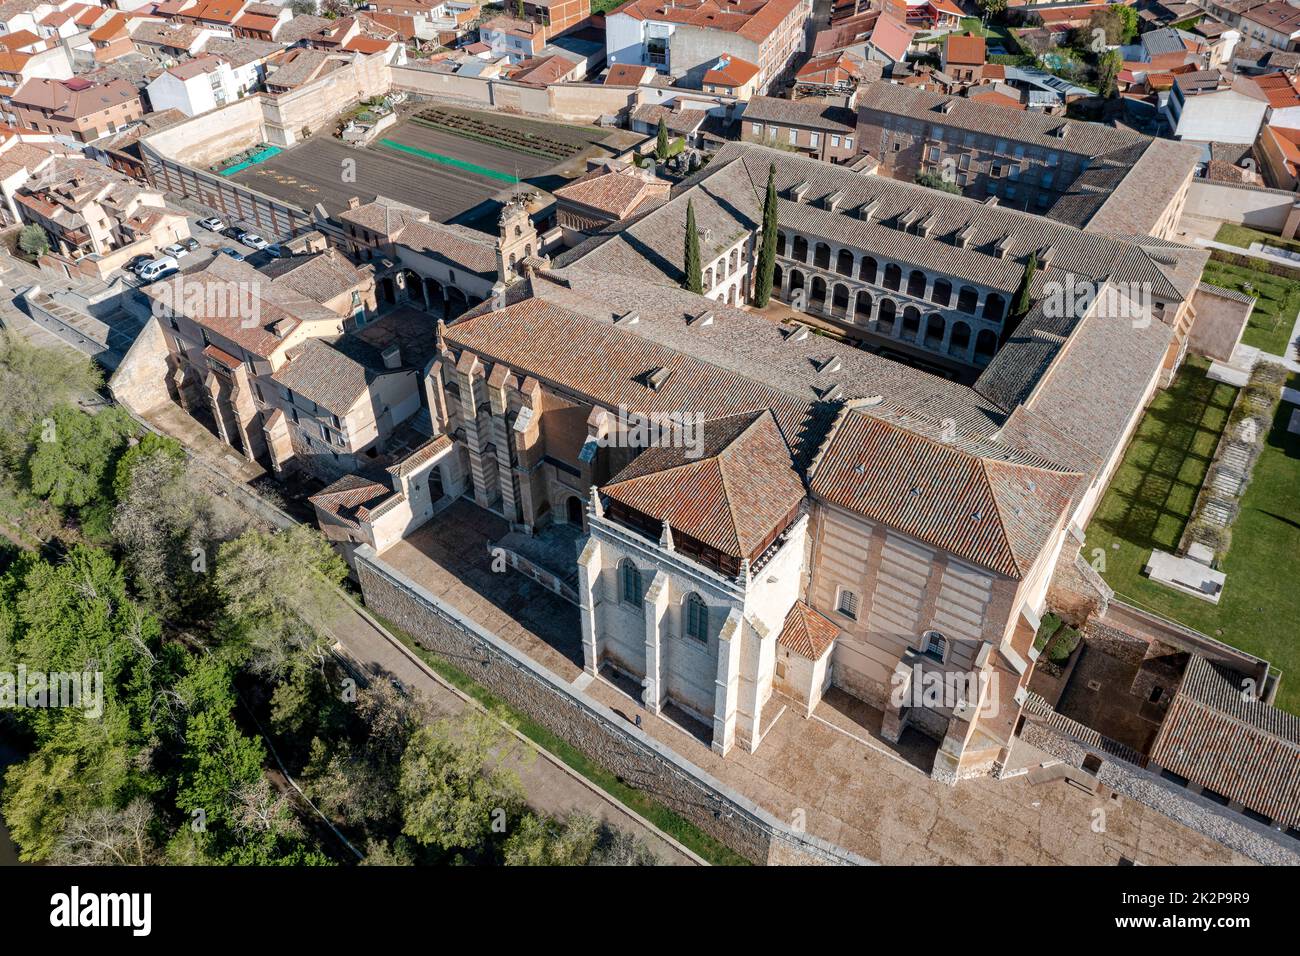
x=150, y=268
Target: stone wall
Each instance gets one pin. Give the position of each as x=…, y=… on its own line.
x=1266, y=209
x=616, y=745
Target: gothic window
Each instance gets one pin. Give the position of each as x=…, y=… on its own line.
x=697, y=618
x=631, y=575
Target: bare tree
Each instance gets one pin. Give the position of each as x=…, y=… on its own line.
x=107, y=837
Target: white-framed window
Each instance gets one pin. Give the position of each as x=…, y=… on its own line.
x=846, y=603
x=816, y=139
x=758, y=128
x=848, y=142
x=794, y=137
x=934, y=646
x=835, y=141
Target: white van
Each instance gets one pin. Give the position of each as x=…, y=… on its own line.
x=158, y=268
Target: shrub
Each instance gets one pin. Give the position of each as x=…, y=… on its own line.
x=1049, y=625
x=1063, y=645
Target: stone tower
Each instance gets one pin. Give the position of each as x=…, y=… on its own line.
x=517, y=239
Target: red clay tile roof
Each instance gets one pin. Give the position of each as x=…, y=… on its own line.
x=350, y=497
x=998, y=514
x=807, y=633
x=753, y=19
x=614, y=192
x=734, y=497
x=966, y=51
x=731, y=71
x=1218, y=735
x=620, y=74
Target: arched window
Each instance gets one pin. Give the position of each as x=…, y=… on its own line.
x=631, y=576
x=942, y=294
x=885, y=316
x=994, y=306
x=780, y=243
x=840, y=300
x=801, y=248
x=822, y=256
x=844, y=263
x=862, y=307
x=960, y=341
x=697, y=618
x=934, y=645
x=893, y=277
x=867, y=269
x=934, y=328
x=911, y=323
x=967, y=299
x=986, y=343
x=916, y=283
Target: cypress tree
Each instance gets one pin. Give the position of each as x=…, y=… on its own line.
x=1023, y=301
x=693, y=281
x=661, y=141
x=767, y=250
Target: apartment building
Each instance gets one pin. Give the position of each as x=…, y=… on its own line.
x=96, y=218
x=77, y=108
x=685, y=38
x=1085, y=174
x=195, y=86
x=808, y=126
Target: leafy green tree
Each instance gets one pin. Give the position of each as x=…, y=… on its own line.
x=767, y=248
x=537, y=841
x=993, y=8
x=33, y=240
x=73, y=453
x=694, y=279
x=454, y=785
x=661, y=141
x=937, y=181
x=1109, y=65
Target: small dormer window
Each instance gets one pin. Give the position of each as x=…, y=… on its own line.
x=934, y=646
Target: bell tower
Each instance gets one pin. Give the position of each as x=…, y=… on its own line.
x=517, y=239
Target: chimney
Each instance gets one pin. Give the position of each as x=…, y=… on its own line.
x=353, y=202
x=392, y=357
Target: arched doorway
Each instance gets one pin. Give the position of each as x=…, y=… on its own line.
x=573, y=510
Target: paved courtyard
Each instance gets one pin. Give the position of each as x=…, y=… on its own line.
x=832, y=771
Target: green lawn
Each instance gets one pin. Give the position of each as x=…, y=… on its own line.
x=1243, y=236
x=1271, y=323
x=1152, y=495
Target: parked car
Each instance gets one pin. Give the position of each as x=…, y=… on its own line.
x=191, y=244
x=136, y=262
x=232, y=232
x=158, y=268
x=176, y=251
x=252, y=240
x=276, y=251
x=232, y=252
x=212, y=224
